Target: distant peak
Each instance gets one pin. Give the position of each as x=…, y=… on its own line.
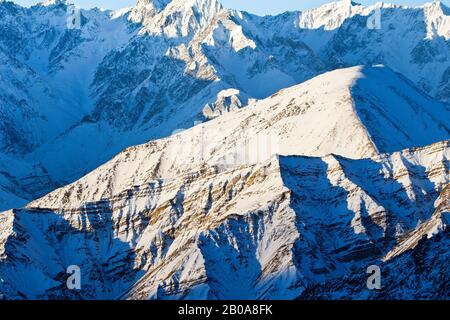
x=439, y=5
x=330, y=15
x=349, y=3
x=154, y=4
x=342, y=3
x=48, y=3
x=146, y=9
x=159, y=5
x=434, y=4
x=176, y=17
x=200, y=4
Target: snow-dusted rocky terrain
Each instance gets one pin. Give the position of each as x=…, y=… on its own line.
x=158, y=221
x=129, y=76
x=263, y=157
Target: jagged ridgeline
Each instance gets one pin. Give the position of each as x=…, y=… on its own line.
x=107, y=172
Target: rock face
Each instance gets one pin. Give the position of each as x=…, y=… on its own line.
x=116, y=79
x=196, y=215
x=290, y=227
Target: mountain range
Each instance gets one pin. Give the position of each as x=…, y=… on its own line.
x=182, y=150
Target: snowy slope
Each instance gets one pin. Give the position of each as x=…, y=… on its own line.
x=337, y=112
x=44, y=80
x=169, y=238
x=28, y=108
x=133, y=75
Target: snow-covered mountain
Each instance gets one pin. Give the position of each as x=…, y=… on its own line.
x=250, y=232
x=240, y=222
x=125, y=77
x=203, y=152
x=338, y=112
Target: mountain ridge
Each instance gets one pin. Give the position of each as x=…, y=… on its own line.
x=318, y=117
x=175, y=267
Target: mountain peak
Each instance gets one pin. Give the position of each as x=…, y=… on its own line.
x=439, y=6
x=157, y=4
x=330, y=15
x=145, y=9
x=176, y=17
x=48, y=3
x=349, y=3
